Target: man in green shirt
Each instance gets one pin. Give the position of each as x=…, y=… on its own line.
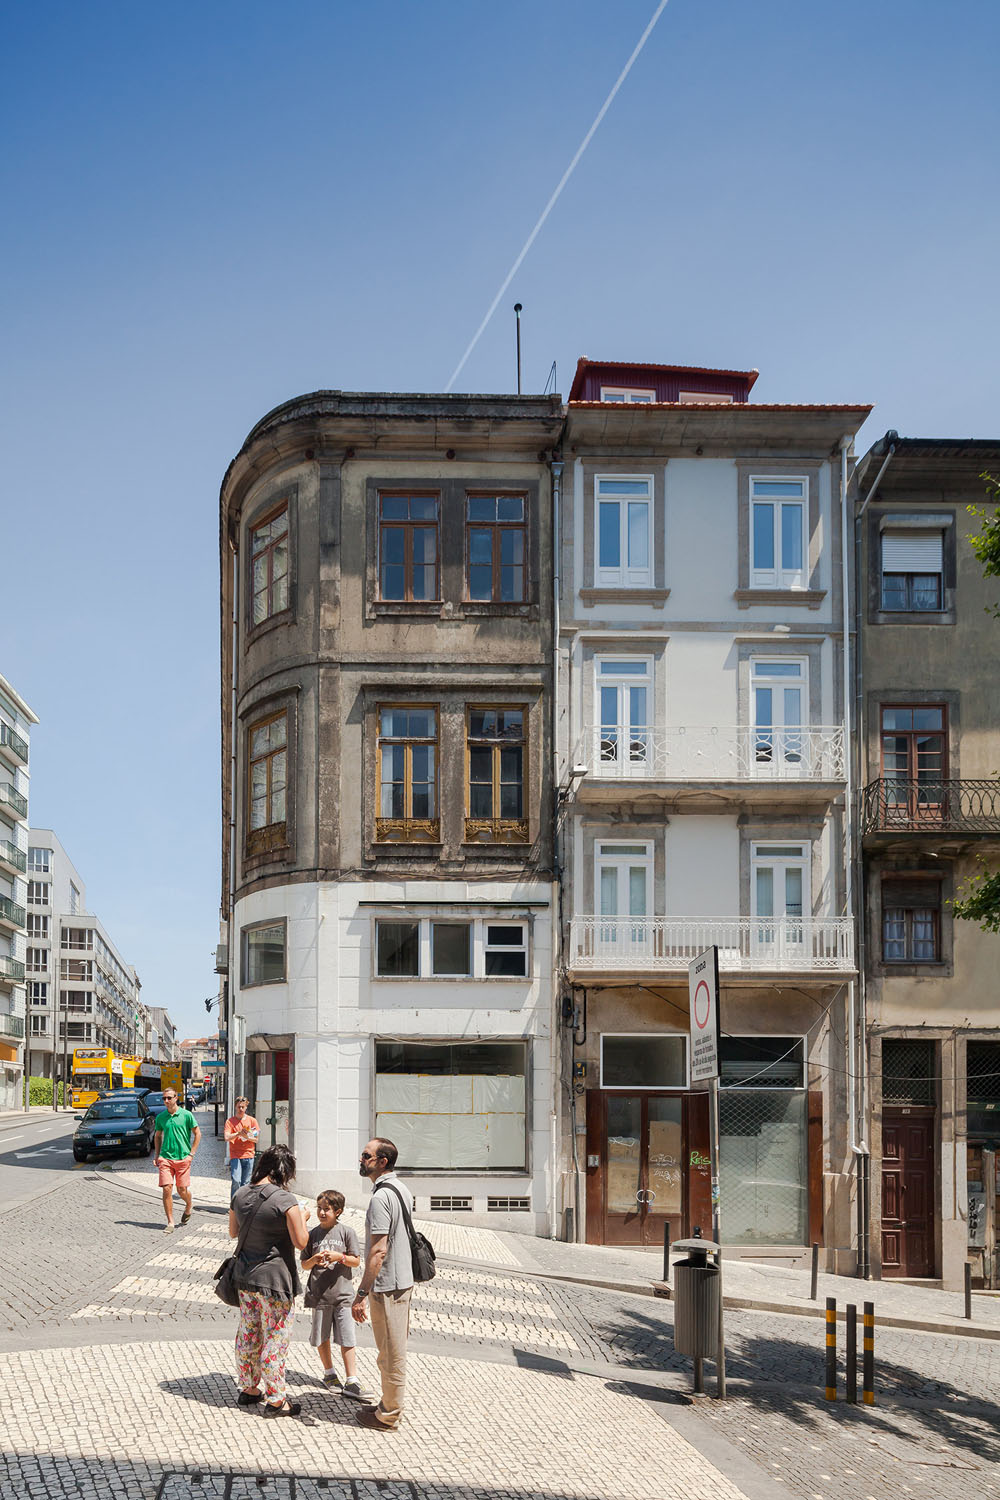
x=177, y=1139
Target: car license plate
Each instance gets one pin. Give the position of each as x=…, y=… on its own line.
x=112, y=1140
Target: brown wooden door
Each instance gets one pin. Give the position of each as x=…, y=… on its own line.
x=642, y=1161
x=907, y=1193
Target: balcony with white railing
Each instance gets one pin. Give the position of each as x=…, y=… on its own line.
x=753, y=762
x=747, y=945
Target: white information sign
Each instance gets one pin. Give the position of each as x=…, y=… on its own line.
x=703, y=996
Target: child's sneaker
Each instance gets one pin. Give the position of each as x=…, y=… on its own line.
x=353, y=1389
x=331, y=1379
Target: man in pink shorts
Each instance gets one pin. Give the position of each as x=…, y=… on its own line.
x=177, y=1139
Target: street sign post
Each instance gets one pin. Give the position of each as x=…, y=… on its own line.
x=705, y=1023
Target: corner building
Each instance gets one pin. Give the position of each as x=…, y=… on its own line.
x=702, y=784
x=389, y=902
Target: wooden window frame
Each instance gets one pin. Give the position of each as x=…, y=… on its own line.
x=271, y=835
x=909, y=957
x=408, y=830
x=497, y=528
x=495, y=830
x=267, y=519
x=408, y=527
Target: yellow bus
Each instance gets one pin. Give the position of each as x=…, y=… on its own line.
x=97, y=1068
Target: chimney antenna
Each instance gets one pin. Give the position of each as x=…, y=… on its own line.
x=517, y=320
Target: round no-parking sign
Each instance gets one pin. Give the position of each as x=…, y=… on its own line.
x=703, y=995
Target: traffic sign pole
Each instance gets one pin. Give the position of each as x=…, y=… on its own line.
x=703, y=992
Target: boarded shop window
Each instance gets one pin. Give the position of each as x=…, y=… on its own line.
x=453, y=1105
x=643, y=1061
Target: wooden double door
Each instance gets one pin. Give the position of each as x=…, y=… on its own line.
x=908, y=1192
x=647, y=1166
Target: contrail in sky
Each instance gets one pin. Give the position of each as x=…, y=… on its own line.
x=555, y=196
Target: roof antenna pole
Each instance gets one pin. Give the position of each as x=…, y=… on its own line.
x=517, y=320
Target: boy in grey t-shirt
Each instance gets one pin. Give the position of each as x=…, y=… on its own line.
x=329, y=1257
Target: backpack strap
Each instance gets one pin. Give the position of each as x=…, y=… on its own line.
x=402, y=1203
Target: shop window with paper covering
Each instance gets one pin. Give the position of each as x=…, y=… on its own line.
x=763, y=1140
x=453, y=1105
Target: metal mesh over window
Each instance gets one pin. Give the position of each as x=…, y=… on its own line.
x=763, y=1166
x=983, y=1072
x=908, y=1071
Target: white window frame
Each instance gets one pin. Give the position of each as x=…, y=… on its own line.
x=620, y=862
x=778, y=577
x=635, y=748
x=41, y=863
x=632, y=1088
x=788, y=742
x=39, y=1025
x=246, y=934
x=478, y=947
x=628, y=395
x=624, y=576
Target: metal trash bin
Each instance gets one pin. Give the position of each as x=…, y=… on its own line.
x=696, y=1299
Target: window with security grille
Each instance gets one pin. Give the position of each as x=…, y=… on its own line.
x=763, y=1165
x=908, y=1071
x=983, y=1090
x=761, y=1062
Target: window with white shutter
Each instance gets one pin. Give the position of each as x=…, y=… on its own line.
x=912, y=565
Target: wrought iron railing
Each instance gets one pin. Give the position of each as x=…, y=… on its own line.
x=11, y=968
x=747, y=944
x=721, y=752
x=12, y=1026
x=920, y=806
x=11, y=912
x=15, y=800
x=10, y=854
x=13, y=742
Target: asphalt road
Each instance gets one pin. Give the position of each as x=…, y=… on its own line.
x=36, y=1153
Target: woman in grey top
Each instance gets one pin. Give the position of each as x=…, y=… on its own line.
x=268, y=1280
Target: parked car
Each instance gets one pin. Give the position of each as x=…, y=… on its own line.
x=114, y=1126
x=155, y=1102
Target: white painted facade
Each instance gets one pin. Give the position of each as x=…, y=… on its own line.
x=16, y=721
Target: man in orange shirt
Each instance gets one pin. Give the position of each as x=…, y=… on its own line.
x=241, y=1133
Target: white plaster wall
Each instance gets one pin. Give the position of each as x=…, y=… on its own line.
x=701, y=537
x=702, y=867
x=701, y=680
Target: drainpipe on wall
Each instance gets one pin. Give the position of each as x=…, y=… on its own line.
x=864, y=1205
x=556, y=467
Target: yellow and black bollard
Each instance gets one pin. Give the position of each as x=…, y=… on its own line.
x=868, y=1363
x=831, y=1348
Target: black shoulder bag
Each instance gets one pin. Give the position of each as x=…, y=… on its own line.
x=225, y=1276
x=422, y=1255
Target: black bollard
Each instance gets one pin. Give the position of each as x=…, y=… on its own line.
x=666, y=1253
x=968, y=1289
x=831, y=1348
x=851, y=1383
x=814, y=1282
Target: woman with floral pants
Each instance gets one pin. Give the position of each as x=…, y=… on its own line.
x=267, y=1279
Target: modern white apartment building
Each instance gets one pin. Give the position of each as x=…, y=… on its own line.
x=16, y=719
x=163, y=1041
x=80, y=990
x=703, y=782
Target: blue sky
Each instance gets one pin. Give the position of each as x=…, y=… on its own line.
x=211, y=208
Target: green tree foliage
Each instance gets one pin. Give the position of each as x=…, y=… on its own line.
x=40, y=1091
x=980, y=897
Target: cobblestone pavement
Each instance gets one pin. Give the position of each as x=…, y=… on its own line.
x=523, y=1386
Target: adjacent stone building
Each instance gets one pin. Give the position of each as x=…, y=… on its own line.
x=928, y=694
x=389, y=904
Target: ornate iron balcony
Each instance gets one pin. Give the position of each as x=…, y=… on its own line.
x=894, y=805
x=746, y=944
x=719, y=752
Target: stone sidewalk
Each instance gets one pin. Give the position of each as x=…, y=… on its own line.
x=747, y=1285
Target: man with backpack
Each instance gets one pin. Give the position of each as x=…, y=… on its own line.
x=387, y=1279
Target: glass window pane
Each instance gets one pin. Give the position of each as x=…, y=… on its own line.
x=623, y=487
x=512, y=546
x=762, y=708
x=894, y=591
x=763, y=536
x=480, y=545
x=394, y=507
x=450, y=948
x=481, y=581
x=609, y=707
x=423, y=507
x=421, y=723
x=793, y=893
x=638, y=535
x=624, y=668
x=279, y=560
x=637, y=891
x=510, y=508
x=765, y=893
x=609, y=892
x=503, y=936
x=393, y=582
x=791, y=537
x=506, y=964
x=624, y=1154
x=397, y=949
x=482, y=508
x=424, y=545
x=666, y=1154
x=782, y=488
x=777, y=669
x=925, y=718
x=609, y=538
x=644, y=1062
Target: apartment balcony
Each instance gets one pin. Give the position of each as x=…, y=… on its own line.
x=11, y=1026
x=747, y=945
x=12, y=916
x=13, y=749
x=11, y=969
x=13, y=804
x=933, y=810
x=705, y=766
x=12, y=859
